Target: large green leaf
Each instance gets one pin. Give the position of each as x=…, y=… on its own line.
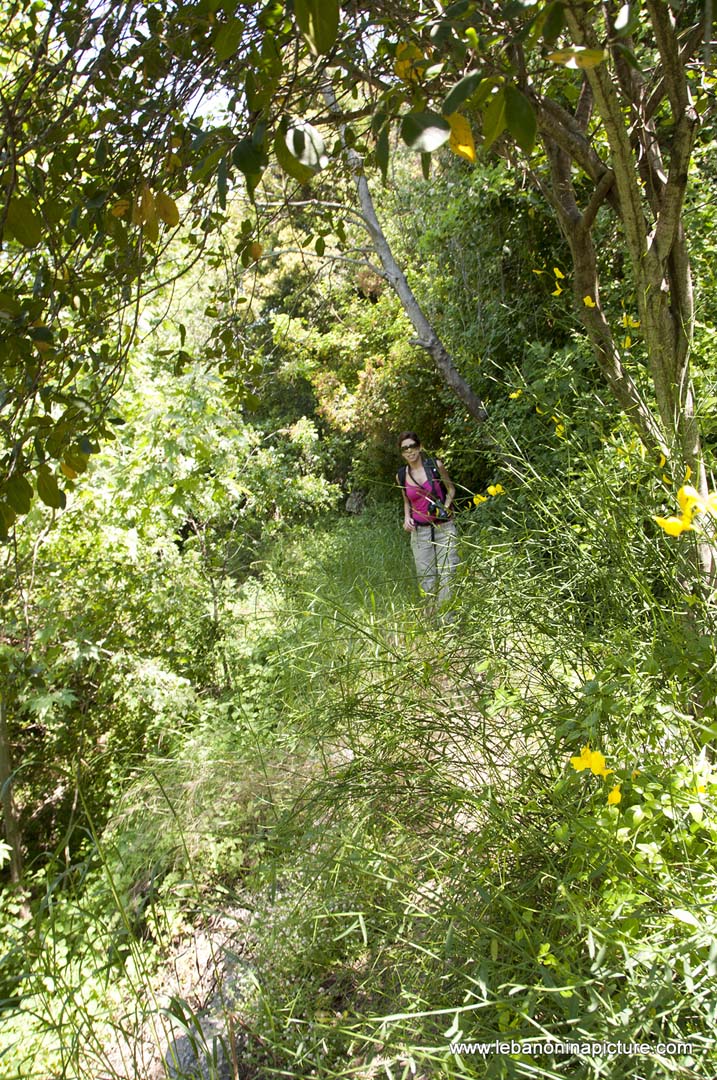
x=553, y=22
x=227, y=40
x=460, y=93
x=318, y=21
x=494, y=117
x=520, y=118
x=48, y=490
x=22, y=222
x=248, y=157
x=382, y=151
x=18, y=493
x=7, y=519
x=425, y=131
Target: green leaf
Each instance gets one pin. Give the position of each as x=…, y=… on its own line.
x=424, y=132
x=22, y=223
x=227, y=40
x=248, y=157
x=460, y=93
x=48, y=490
x=494, y=118
x=629, y=56
x=18, y=493
x=553, y=23
x=520, y=119
x=426, y=166
x=318, y=21
x=320, y=245
x=7, y=519
x=43, y=334
x=9, y=307
x=382, y=151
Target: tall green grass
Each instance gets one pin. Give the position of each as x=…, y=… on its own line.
x=392, y=803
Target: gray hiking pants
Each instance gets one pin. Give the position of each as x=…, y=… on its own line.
x=435, y=550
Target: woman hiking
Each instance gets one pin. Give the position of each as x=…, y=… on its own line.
x=428, y=495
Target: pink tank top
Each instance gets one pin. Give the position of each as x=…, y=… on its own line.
x=418, y=498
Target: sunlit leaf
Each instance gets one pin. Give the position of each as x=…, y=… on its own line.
x=409, y=60
x=578, y=56
x=425, y=131
x=461, y=140
x=167, y=209
x=22, y=223
x=306, y=145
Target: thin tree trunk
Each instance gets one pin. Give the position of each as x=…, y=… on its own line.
x=9, y=810
x=426, y=337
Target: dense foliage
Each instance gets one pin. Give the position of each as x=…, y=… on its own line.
x=256, y=801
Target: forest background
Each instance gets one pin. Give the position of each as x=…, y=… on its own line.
x=244, y=246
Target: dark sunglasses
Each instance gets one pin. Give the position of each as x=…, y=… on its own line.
x=409, y=446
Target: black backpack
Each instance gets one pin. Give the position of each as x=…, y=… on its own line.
x=429, y=464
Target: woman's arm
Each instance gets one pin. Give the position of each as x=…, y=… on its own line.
x=407, y=519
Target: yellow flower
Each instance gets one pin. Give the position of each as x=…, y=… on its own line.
x=634, y=323
x=627, y=342
x=663, y=461
x=674, y=526
x=558, y=273
x=690, y=500
x=634, y=774
x=598, y=763
x=478, y=499
x=615, y=796
x=556, y=292
x=589, y=302
x=496, y=489
x=515, y=394
x=539, y=271
x=583, y=761
x=590, y=759
x=688, y=473
x=539, y=411
x=560, y=430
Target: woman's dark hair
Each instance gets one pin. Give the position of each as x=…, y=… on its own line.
x=408, y=435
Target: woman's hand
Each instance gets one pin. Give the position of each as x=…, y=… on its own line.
x=408, y=525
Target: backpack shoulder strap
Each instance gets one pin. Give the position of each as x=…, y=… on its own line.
x=433, y=474
x=402, y=475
